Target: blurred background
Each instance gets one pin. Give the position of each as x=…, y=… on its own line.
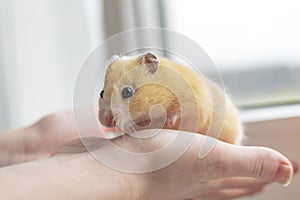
x=255, y=44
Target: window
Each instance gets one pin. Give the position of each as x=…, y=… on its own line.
x=255, y=44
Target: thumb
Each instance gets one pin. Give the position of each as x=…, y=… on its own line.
x=258, y=162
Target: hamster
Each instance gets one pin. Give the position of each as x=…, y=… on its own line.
x=134, y=84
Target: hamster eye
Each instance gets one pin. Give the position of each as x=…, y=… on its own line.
x=101, y=94
x=127, y=92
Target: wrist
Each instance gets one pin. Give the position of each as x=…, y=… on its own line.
x=107, y=183
x=110, y=183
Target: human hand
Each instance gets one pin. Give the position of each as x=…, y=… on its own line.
x=227, y=172
x=40, y=139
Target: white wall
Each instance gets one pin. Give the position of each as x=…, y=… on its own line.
x=238, y=34
x=43, y=44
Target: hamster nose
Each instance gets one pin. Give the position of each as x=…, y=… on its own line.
x=109, y=119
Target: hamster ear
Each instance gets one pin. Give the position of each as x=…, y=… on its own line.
x=112, y=59
x=151, y=62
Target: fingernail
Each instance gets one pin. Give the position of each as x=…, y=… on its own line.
x=281, y=175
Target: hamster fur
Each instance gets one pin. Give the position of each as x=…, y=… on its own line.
x=173, y=86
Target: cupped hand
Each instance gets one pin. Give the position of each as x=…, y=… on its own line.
x=226, y=172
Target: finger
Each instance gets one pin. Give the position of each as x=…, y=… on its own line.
x=227, y=160
x=227, y=194
x=229, y=185
x=239, y=183
x=109, y=132
x=295, y=166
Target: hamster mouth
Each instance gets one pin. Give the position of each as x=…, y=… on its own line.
x=113, y=124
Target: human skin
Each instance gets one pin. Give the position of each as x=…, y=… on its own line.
x=38, y=140
x=228, y=171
